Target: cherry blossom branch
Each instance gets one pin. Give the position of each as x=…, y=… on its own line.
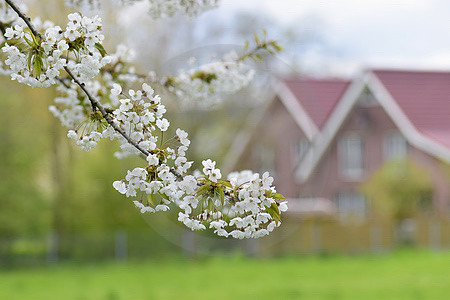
x=245, y=205
x=26, y=19
x=2, y=29
x=107, y=116
x=94, y=102
x=264, y=45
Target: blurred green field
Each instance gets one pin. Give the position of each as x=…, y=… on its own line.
x=402, y=275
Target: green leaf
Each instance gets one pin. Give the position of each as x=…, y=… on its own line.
x=221, y=195
x=274, y=212
x=37, y=65
x=28, y=41
x=270, y=194
x=277, y=46
x=278, y=196
x=204, y=76
x=35, y=41
x=100, y=49
x=150, y=199
x=256, y=37
x=204, y=189
x=210, y=205
x=225, y=183
x=30, y=59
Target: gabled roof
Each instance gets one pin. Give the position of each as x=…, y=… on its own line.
x=318, y=97
x=309, y=102
x=417, y=102
x=424, y=97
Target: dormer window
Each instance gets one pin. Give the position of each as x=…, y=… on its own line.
x=351, y=157
x=299, y=149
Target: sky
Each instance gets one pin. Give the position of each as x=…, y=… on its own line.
x=413, y=34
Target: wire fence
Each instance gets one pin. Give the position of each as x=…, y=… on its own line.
x=329, y=235
x=298, y=235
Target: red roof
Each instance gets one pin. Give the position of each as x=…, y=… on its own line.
x=424, y=97
x=318, y=97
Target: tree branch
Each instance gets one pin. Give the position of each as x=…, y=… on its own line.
x=107, y=116
x=94, y=102
x=26, y=19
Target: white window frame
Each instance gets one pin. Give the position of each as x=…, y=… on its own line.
x=299, y=148
x=351, y=206
x=345, y=170
x=394, y=146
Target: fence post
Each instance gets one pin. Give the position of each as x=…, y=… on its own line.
x=376, y=238
x=120, y=245
x=52, y=247
x=316, y=237
x=434, y=234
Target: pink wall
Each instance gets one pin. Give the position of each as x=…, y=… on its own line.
x=279, y=132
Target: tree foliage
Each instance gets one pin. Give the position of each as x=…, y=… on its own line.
x=399, y=189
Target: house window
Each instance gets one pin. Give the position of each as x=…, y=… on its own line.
x=299, y=149
x=351, y=156
x=395, y=146
x=351, y=206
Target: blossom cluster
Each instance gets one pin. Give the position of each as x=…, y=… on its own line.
x=159, y=184
x=212, y=81
x=38, y=60
x=99, y=100
x=243, y=206
x=83, y=4
x=157, y=8
x=139, y=114
x=168, y=8
x=72, y=106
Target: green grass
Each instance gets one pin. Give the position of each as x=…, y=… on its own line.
x=402, y=275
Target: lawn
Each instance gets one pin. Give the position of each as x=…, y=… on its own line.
x=402, y=275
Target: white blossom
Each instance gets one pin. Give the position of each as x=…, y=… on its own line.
x=167, y=8
x=208, y=83
x=243, y=205
x=41, y=66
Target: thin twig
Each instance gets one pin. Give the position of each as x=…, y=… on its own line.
x=26, y=19
x=97, y=105
x=3, y=29
x=94, y=102
x=61, y=80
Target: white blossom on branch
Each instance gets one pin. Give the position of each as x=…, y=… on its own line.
x=101, y=96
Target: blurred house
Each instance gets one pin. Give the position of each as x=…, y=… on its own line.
x=323, y=138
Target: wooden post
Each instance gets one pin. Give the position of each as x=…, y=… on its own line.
x=434, y=234
x=376, y=241
x=121, y=245
x=52, y=247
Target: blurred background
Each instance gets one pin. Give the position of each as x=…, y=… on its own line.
x=352, y=119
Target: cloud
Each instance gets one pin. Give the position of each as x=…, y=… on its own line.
x=403, y=33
